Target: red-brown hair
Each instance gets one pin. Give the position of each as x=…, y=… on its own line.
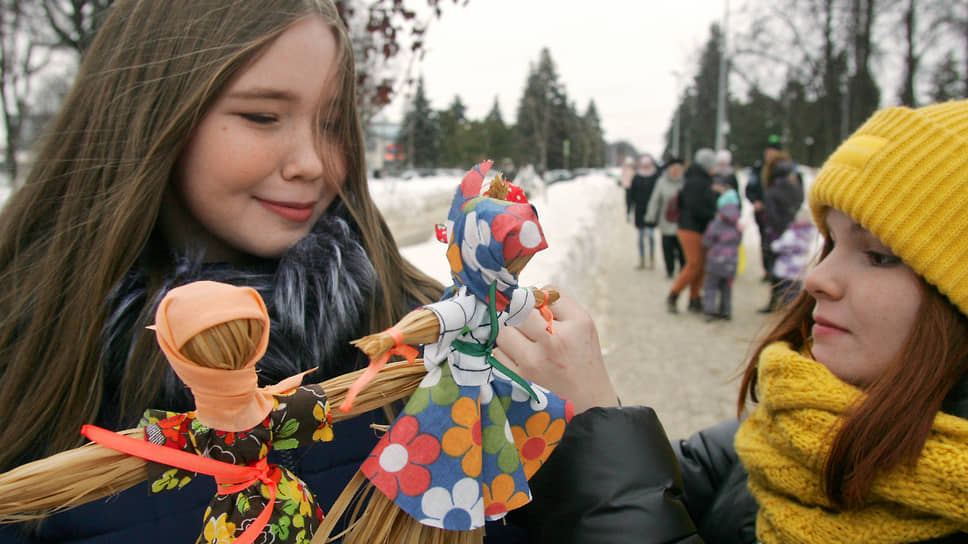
x=890, y=425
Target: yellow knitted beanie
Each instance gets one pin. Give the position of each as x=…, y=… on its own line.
x=904, y=177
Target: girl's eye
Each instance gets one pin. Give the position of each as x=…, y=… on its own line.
x=876, y=258
x=259, y=118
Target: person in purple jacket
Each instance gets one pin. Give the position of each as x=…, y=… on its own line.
x=721, y=239
x=793, y=250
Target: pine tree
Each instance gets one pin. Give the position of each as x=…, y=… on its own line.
x=419, y=134
x=540, y=115
x=594, y=152
x=751, y=123
x=494, y=135
x=453, y=134
x=701, y=131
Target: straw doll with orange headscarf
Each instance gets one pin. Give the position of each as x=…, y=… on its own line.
x=213, y=335
x=474, y=432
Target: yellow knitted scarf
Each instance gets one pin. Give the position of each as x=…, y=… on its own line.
x=783, y=445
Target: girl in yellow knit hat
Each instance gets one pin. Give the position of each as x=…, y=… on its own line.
x=853, y=409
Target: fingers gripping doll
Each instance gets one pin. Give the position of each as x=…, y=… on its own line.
x=474, y=432
x=213, y=334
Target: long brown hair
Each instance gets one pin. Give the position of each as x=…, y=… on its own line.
x=766, y=173
x=890, y=425
x=87, y=210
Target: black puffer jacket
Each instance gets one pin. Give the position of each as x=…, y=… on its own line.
x=639, y=194
x=613, y=479
x=781, y=201
x=697, y=200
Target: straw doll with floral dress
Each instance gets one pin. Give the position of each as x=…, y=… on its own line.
x=213, y=334
x=474, y=432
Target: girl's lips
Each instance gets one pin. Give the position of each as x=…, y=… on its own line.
x=297, y=213
x=822, y=327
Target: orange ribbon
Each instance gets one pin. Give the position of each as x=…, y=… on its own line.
x=230, y=478
x=399, y=348
x=546, y=312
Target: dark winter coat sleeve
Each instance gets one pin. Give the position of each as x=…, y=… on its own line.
x=612, y=479
x=640, y=193
x=714, y=483
x=780, y=205
x=754, y=188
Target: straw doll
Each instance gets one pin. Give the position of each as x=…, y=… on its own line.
x=213, y=334
x=474, y=432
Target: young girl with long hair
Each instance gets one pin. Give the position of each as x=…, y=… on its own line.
x=859, y=424
x=202, y=139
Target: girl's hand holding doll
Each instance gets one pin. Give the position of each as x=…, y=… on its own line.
x=568, y=362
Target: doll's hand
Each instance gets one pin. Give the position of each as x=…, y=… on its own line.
x=374, y=345
x=568, y=362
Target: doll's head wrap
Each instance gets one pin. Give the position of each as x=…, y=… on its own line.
x=486, y=233
x=227, y=400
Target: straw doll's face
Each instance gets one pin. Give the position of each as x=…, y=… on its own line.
x=258, y=171
x=867, y=302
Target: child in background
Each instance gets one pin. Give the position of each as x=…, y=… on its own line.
x=793, y=249
x=721, y=240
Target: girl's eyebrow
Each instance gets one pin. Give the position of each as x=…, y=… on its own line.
x=264, y=93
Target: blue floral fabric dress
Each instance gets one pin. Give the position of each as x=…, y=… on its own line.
x=473, y=433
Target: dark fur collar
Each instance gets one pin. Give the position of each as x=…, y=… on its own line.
x=317, y=295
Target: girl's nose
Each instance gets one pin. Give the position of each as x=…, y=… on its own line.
x=821, y=280
x=303, y=161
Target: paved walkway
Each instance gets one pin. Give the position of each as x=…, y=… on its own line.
x=678, y=364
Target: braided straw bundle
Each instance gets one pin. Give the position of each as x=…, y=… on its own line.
x=90, y=472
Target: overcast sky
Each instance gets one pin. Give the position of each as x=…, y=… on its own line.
x=621, y=53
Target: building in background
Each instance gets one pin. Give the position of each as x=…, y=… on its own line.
x=382, y=156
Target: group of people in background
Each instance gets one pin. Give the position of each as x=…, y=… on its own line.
x=696, y=208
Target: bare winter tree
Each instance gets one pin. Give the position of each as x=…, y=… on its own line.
x=953, y=16
x=863, y=92
x=803, y=41
x=75, y=22
x=30, y=30
x=24, y=52
x=385, y=32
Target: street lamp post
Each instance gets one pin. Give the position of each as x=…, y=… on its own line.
x=721, y=88
x=676, y=127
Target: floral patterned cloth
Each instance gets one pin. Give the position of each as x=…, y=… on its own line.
x=299, y=416
x=470, y=437
x=484, y=234
x=458, y=455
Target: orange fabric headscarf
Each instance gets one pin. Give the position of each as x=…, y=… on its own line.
x=227, y=400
